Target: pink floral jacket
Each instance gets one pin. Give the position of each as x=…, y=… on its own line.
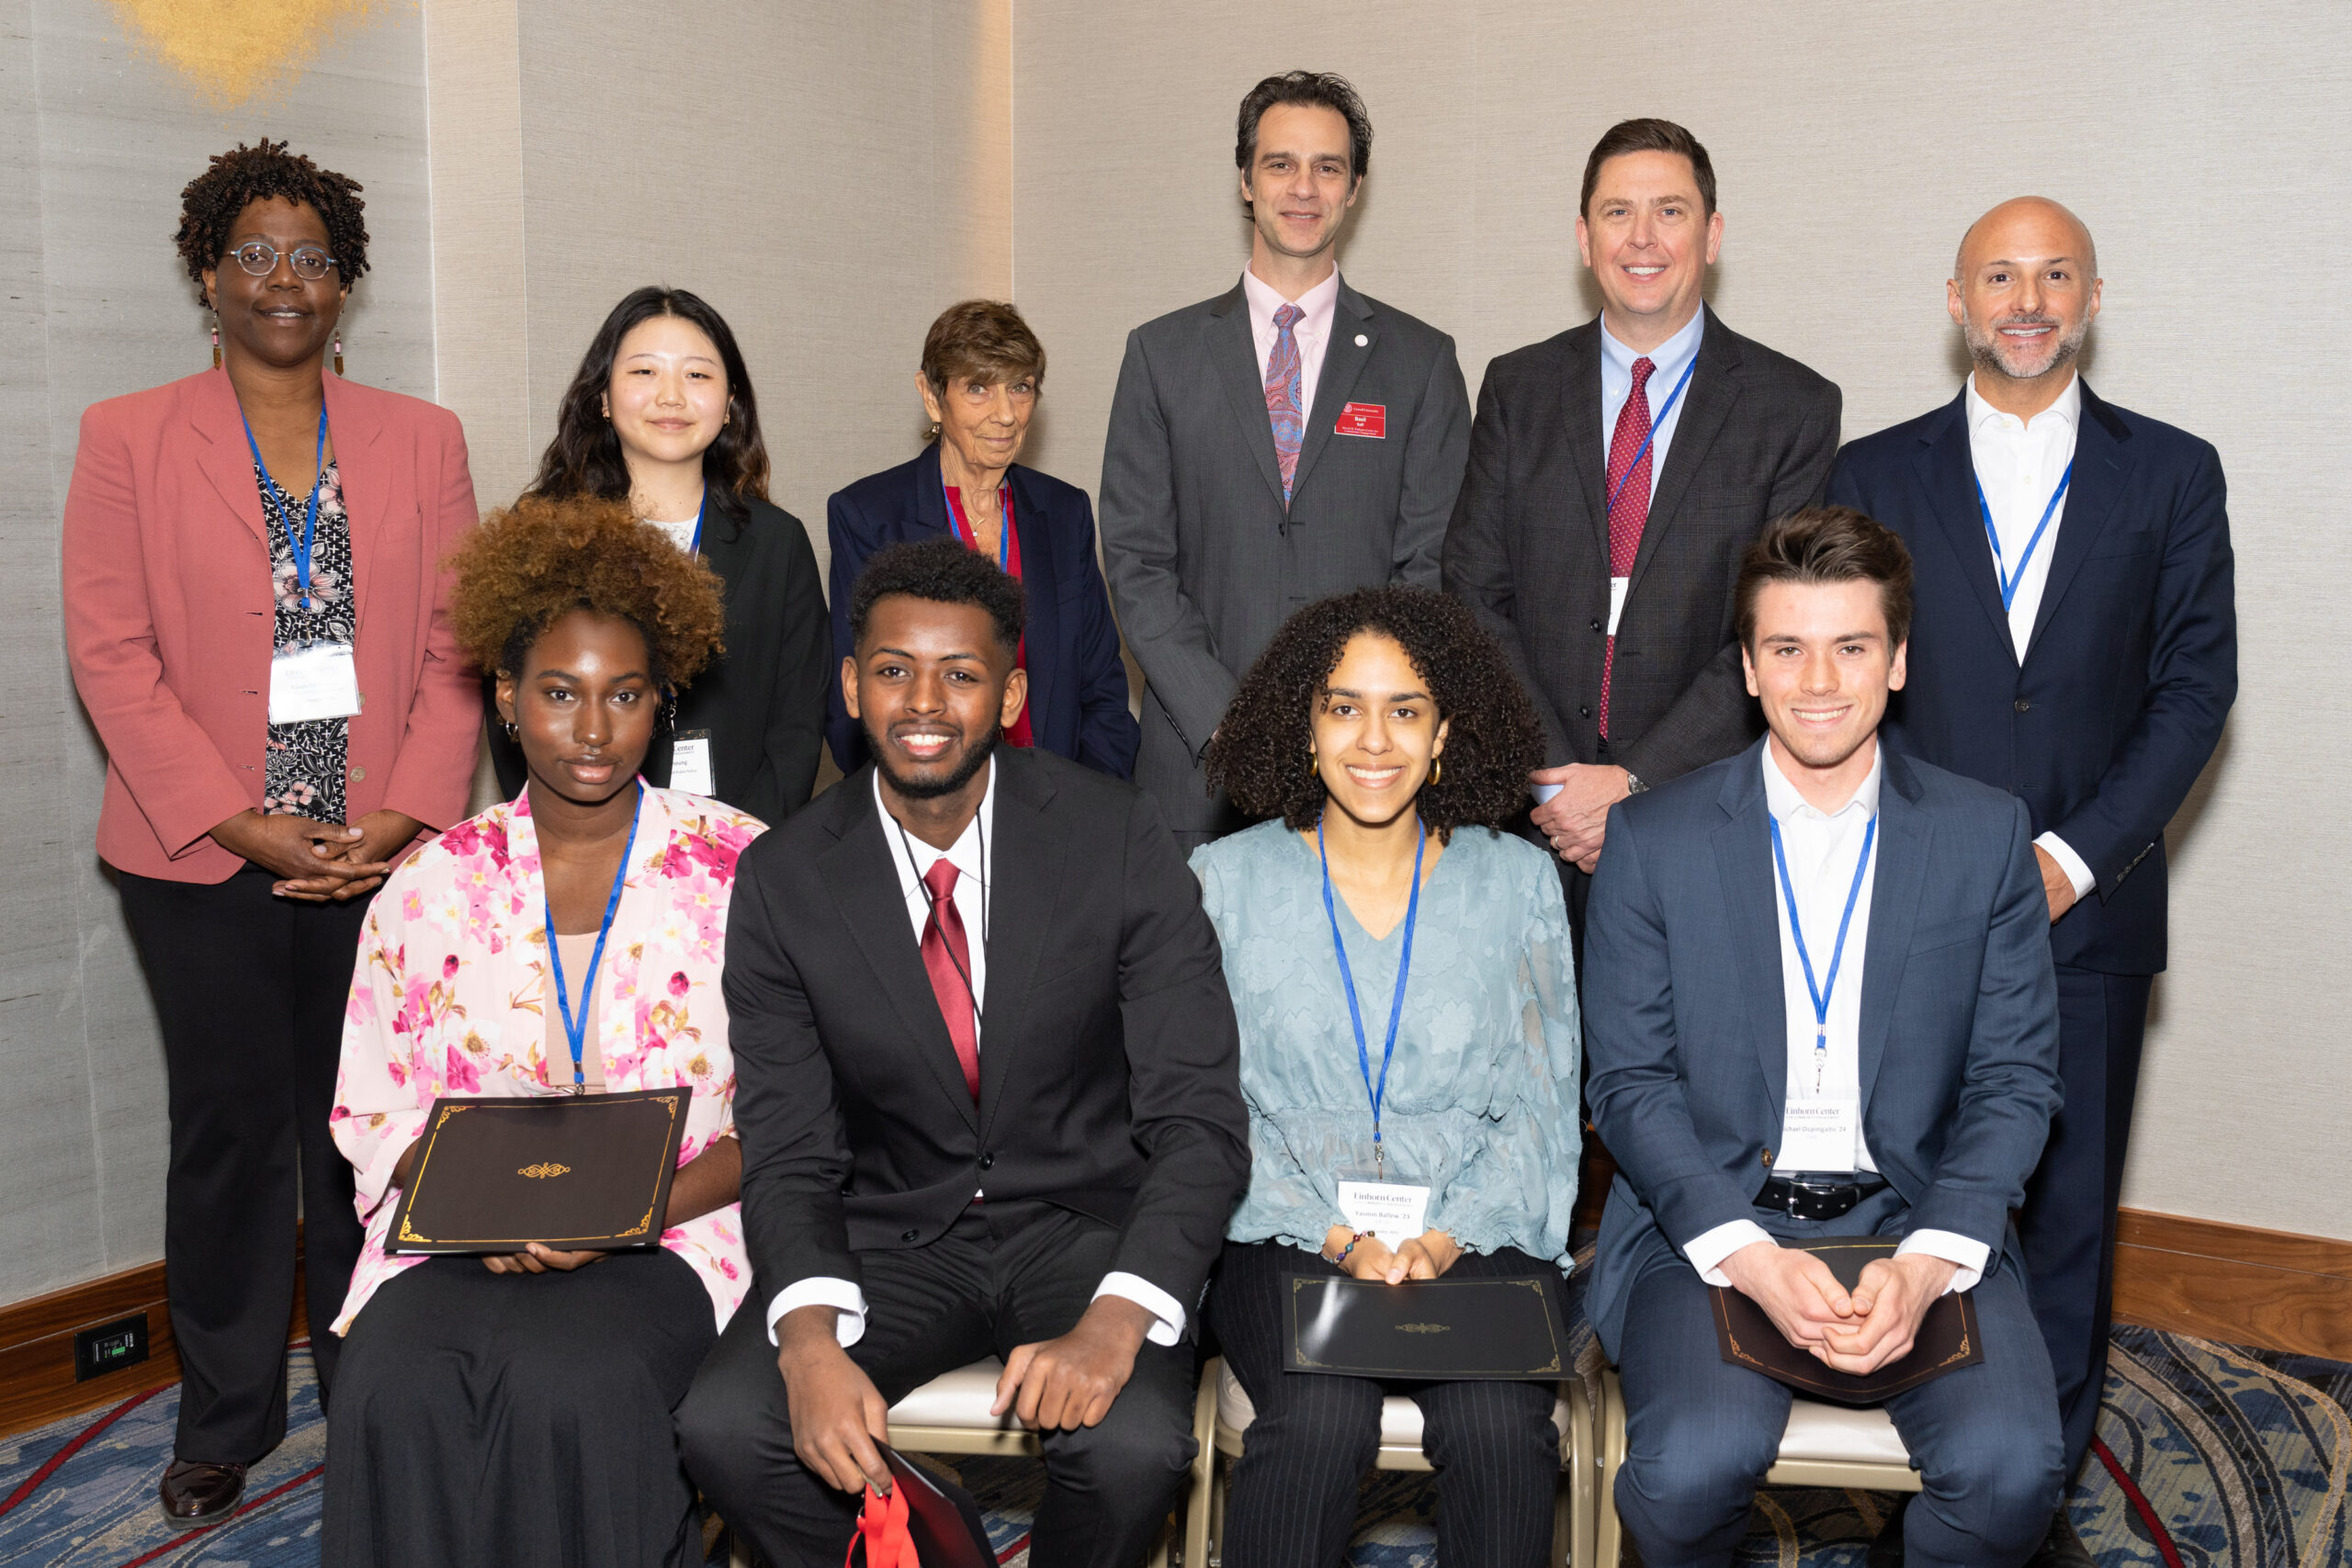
x=451, y=992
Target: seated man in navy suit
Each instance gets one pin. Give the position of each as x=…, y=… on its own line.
x=1819, y=1002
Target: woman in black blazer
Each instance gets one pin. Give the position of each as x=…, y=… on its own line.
x=981, y=371
x=661, y=412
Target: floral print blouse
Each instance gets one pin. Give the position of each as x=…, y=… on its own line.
x=451, y=997
x=304, y=771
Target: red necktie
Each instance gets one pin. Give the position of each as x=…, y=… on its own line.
x=947, y=959
x=1629, y=484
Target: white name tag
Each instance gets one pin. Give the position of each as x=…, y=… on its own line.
x=690, y=763
x=1819, y=1134
x=318, y=679
x=1393, y=1211
x=1617, y=586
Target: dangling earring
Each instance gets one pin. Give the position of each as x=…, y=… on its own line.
x=216, y=343
x=665, y=718
x=1437, y=772
x=338, y=354
x=514, y=732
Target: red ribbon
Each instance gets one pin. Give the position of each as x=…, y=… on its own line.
x=883, y=1529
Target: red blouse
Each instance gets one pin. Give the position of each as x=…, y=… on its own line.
x=1009, y=557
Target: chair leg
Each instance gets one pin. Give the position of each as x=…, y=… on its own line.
x=1609, y=1535
x=1582, y=1465
x=1203, y=1475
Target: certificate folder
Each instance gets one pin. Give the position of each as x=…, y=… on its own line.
x=1947, y=1341
x=1498, y=1329
x=582, y=1173
x=942, y=1522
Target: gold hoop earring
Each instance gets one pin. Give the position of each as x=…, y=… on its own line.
x=1437, y=772
x=1313, y=771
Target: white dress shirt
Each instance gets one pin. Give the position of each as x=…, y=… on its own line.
x=2018, y=464
x=1312, y=330
x=1824, y=850
x=974, y=862
x=1668, y=362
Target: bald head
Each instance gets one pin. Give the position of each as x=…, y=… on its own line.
x=2026, y=221
x=2023, y=290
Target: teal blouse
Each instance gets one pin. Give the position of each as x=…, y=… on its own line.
x=1482, y=1093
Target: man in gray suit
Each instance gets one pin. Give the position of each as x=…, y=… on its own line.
x=1820, y=1003
x=1287, y=440
x=1616, y=473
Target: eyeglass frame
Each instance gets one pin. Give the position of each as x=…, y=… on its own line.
x=236, y=254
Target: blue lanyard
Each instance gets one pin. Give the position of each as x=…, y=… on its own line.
x=576, y=1030
x=1003, y=518
x=701, y=513
x=1821, y=994
x=1379, y=1092
x=302, y=546
x=2009, y=581
x=1672, y=399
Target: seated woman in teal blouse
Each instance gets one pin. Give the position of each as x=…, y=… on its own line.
x=1384, y=733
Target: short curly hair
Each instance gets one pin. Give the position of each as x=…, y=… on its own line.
x=945, y=573
x=1493, y=741
x=539, y=559
x=210, y=204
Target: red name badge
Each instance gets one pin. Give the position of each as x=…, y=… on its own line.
x=1364, y=419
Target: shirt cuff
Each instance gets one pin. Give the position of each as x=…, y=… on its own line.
x=1969, y=1257
x=1165, y=1308
x=1707, y=1253
x=2068, y=862
x=818, y=1290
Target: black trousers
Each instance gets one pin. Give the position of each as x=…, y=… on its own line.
x=1004, y=1274
x=2067, y=1227
x=1293, y=1500
x=250, y=990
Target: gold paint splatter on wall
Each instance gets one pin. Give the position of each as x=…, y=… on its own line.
x=233, y=51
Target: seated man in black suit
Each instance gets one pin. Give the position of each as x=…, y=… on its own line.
x=988, y=1092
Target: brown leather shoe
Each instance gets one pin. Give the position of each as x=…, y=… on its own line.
x=194, y=1493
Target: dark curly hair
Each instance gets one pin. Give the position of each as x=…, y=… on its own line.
x=539, y=559
x=586, y=458
x=1493, y=740
x=943, y=571
x=210, y=204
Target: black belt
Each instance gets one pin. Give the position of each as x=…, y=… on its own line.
x=1814, y=1197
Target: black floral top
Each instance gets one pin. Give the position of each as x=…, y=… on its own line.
x=306, y=760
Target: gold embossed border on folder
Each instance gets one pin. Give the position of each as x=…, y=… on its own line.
x=1553, y=1367
x=674, y=1102
x=1809, y=1376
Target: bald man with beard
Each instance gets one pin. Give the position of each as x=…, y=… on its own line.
x=2076, y=644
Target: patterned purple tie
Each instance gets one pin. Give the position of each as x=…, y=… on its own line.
x=1282, y=379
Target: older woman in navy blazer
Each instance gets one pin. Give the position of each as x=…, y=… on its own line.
x=981, y=370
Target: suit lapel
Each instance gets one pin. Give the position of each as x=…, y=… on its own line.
x=930, y=513
x=2102, y=463
x=1042, y=589
x=1580, y=414
x=860, y=873
x=1025, y=863
x=1714, y=389
x=1743, y=859
x=366, y=502
x=1948, y=469
x=1895, y=889
x=1234, y=354
x=226, y=459
x=1344, y=363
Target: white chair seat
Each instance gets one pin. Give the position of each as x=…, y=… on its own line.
x=958, y=1399
x=1839, y=1434
x=1400, y=1416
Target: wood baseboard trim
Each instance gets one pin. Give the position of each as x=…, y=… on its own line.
x=2236, y=1284
x=37, y=1382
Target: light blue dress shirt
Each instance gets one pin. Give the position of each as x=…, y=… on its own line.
x=1668, y=362
x=1482, y=1093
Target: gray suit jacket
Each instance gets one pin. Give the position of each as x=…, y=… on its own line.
x=1688, y=1038
x=1205, y=562
x=1529, y=545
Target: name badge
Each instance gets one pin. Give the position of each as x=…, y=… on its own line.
x=1364, y=419
x=690, y=763
x=1617, y=587
x=1393, y=1211
x=316, y=680
x=1819, y=1136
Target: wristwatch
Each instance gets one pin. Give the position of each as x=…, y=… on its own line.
x=1634, y=784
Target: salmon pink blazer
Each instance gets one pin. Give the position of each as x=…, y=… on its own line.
x=168, y=614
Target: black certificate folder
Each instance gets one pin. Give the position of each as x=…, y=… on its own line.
x=1493, y=1330
x=582, y=1173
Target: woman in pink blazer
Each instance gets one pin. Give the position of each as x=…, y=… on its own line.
x=256, y=621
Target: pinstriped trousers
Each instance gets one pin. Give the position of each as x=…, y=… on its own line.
x=1293, y=1498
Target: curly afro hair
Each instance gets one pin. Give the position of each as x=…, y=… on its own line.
x=1493, y=739
x=539, y=559
x=210, y=204
x=943, y=571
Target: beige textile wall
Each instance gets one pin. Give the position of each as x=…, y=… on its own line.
x=2205, y=146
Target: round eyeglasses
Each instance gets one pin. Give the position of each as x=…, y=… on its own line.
x=260, y=259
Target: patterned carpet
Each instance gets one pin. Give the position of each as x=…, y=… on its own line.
x=2222, y=1458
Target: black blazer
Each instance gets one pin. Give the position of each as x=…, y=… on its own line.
x=1527, y=549
x=764, y=699
x=1109, y=1056
x=1078, y=683
x=2131, y=668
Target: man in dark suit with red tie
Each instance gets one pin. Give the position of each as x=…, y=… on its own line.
x=1617, y=473
x=987, y=1090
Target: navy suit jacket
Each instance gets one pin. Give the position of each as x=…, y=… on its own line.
x=1687, y=1034
x=2131, y=668
x=1078, y=683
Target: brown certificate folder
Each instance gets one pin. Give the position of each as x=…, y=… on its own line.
x=1948, y=1338
x=582, y=1173
x=1500, y=1329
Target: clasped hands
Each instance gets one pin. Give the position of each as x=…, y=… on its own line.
x=315, y=861
x=1858, y=1332
x=1424, y=1256
x=839, y=1417
x=1574, y=820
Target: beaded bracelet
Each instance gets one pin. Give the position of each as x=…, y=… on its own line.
x=1341, y=1261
